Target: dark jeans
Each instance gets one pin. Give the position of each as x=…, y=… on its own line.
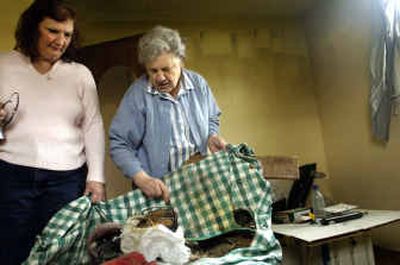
x=29, y=197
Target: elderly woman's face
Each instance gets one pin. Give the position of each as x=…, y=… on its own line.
x=164, y=72
x=54, y=38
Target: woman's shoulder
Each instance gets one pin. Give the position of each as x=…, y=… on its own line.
x=4, y=59
x=12, y=57
x=79, y=67
x=76, y=69
x=195, y=77
x=13, y=61
x=196, y=81
x=192, y=74
x=4, y=56
x=137, y=88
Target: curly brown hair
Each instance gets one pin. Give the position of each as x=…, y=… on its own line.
x=27, y=31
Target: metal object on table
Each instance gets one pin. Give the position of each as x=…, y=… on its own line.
x=162, y=215
x=10, y=106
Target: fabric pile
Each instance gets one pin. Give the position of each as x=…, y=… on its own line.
x=156, y=242
x=205, y=196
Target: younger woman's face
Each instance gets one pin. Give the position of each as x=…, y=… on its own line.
x=54, y=38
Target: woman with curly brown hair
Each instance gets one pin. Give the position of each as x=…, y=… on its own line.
x=53, y=151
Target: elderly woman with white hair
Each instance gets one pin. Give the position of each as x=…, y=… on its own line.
x=165, y=117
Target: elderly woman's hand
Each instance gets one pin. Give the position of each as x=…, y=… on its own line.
x=97, y=189
x=151, y=187
x=216, y=143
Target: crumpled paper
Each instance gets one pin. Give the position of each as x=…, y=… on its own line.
x=156, y=242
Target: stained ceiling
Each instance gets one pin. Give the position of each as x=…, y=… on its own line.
x=92, y=11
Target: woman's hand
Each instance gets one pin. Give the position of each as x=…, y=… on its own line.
x=97, y=189
x=216, y=143
x=151, y=187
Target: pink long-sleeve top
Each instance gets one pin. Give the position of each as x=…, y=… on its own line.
x=58, y=125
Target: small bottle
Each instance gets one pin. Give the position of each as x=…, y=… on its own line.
x=317, y=202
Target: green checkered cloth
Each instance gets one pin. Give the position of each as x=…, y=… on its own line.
x=203, y=194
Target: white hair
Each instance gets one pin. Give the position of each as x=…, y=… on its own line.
x=160, y=40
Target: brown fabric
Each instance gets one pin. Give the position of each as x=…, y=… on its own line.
x=220, y=245
x=194, y=159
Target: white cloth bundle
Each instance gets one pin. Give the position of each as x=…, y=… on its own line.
x=156, y=242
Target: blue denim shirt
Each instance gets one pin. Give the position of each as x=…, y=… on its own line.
x=141, y=130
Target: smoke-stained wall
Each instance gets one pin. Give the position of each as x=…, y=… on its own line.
x=363, y=171
x=260, y=75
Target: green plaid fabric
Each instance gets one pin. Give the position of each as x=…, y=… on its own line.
x=204, y=195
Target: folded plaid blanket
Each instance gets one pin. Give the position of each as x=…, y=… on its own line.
x=204, y=195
